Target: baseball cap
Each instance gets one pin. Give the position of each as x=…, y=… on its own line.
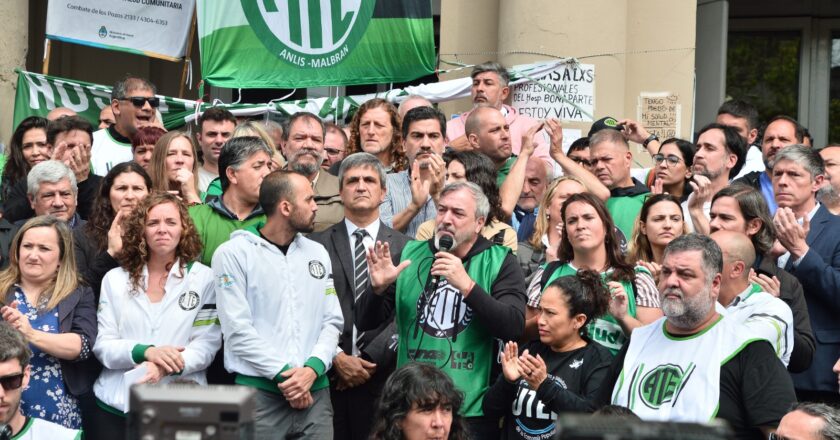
x=607, y=122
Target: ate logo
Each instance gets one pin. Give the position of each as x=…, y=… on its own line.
x=445, y=309
x=309, y=33
x=663, y=385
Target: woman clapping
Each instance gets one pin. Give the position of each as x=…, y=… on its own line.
x=561, y=371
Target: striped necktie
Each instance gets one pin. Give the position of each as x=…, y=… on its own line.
x=360, y=263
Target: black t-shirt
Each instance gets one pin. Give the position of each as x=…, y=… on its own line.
x=755, y=389
x=574, y=377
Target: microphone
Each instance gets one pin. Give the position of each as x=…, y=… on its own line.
x=445, y=243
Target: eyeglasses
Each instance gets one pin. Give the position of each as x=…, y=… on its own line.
x=672, y=159
x=12, y=382
x=333, y=151
x=140, y=101
x=581, y=161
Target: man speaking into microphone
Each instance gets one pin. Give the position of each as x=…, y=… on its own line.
x=451, y=305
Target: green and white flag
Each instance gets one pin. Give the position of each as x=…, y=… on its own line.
x=311, y=43
x=37, y=94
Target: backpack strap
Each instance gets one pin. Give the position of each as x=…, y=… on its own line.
x=549, y=270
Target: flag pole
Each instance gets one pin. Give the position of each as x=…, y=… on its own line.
x=45, y=67
x=187, y=54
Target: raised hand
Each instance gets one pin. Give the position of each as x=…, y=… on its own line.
x=381, y=268
x=790, y=233
x=115, y=242
x=510, y=362
x=618, y=300
x=770, y=285
x=528, y=144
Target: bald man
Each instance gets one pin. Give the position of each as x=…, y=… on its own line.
x=413, y=101
x=489, y=133
x=765, y=315
x=59, y=112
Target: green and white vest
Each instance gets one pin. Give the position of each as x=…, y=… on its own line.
x=446, y=333
x=604, y=330
x=677, y=379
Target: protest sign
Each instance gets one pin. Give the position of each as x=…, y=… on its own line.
x=567, y=93
x=660, y=113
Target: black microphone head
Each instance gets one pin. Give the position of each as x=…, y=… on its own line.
x=445, y=243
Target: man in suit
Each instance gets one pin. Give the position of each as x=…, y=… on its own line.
x=810, y=235
x=363, y=360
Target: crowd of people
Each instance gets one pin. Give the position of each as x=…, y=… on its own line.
x=412, y=277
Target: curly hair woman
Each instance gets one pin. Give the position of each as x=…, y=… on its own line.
x=157, y=310
x=419, y=401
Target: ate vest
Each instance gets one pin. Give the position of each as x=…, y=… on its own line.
x=604, y=330
x=446, y=333
x=677, y=379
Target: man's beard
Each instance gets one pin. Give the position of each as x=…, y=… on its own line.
x=828, y=195
x=711, y=175
x=300, y=225
x=305, y=168
x=687, y=313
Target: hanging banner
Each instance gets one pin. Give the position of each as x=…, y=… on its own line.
x=154, y=28
x=37, y=94
x=312, y=43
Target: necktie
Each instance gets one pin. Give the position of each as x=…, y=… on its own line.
x=360, y=263
x=360, y=272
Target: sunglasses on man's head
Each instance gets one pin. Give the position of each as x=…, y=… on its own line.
x=140, y=101
x=12, y=382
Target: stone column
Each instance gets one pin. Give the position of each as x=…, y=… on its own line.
x=13, y=48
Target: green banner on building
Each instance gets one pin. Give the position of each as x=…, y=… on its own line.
x=312, y=43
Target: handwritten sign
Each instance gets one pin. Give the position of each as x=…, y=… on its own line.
x=660, y=113
x=567, y=93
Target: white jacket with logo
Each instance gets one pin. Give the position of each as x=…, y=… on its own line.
x=277, y=311
x=187, y=318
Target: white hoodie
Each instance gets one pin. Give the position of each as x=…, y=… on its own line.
x=277, y=311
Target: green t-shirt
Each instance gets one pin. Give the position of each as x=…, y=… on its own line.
x=505, y=170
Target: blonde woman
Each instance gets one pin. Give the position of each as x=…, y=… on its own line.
x=174, y=167
x=57, y=316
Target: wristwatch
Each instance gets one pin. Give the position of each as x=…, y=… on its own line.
x=650, y=139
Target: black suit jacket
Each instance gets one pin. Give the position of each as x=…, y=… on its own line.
x=337, y=243
x=819, y=274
